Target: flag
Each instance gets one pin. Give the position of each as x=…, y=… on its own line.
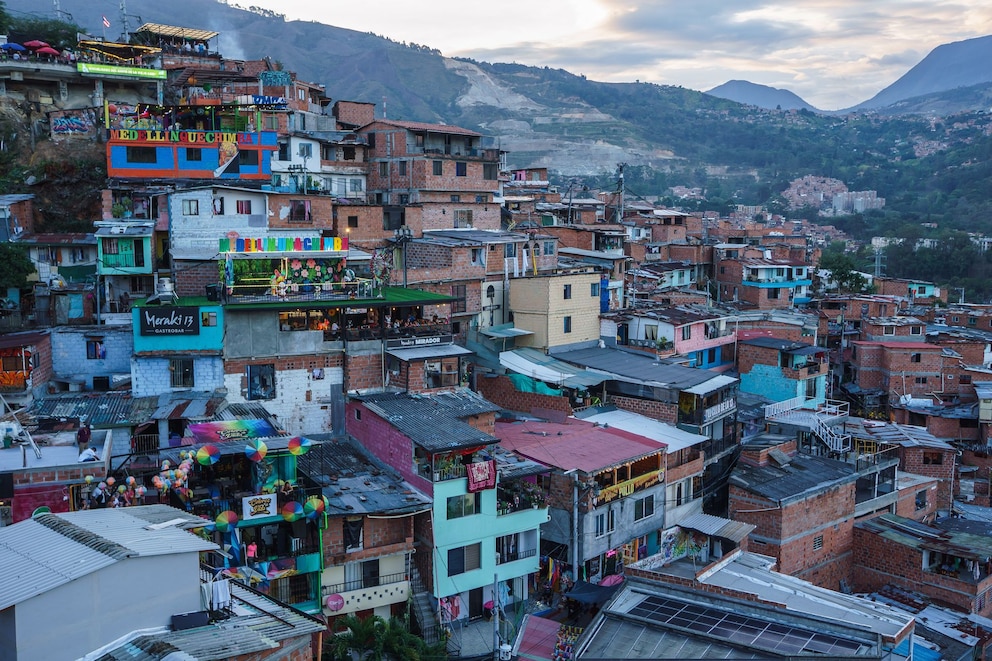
x=106, y=22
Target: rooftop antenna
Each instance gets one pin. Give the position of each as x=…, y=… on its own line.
x=879, y=262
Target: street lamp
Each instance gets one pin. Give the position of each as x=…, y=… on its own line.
x=402, y=235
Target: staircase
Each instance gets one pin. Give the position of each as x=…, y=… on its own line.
x=793, y=411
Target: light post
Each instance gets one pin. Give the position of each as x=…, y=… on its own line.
x=402, y=235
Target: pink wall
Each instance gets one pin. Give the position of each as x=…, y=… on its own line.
x=385, y=442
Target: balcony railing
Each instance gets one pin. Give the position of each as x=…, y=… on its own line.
x=363, y=583
x=261, y=290
x=503, y=558
x=125, y=260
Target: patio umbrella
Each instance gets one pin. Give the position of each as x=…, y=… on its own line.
x=292, y=511
x=46, y=50
x=226, y=520
x=314, y=507
x=208, y=455
x=298, y=445
x=256, y=450
x=10, y=45
x=35, y=43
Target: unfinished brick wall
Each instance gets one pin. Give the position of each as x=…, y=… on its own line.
x=663, y=411
x=500, y=391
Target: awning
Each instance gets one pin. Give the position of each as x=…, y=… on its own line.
x=710, y=385
x=537, y=365
x=430, y=351
x=175, y=31
x=504, y=331
x=537, y=638
x=716, y=526
x=589, y=593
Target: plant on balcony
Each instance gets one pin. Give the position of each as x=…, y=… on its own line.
x=117, y=211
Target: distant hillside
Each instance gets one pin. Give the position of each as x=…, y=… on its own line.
x=762, y=96
x=946, y=68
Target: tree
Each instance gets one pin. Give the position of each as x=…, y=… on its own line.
x=15, y=267
x=4, y=19
x=376, y=639
x=842, y=269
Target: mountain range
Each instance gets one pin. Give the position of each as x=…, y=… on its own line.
x=550, y=117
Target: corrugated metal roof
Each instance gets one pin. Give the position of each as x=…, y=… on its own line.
x=435, y=422
x=101, y=410
x=194, y=34
x=37, y=559
x=804, y=475
x=430, y=351
x=717, y=526
x=50, y=550
x=638, y=367
x=537, y=365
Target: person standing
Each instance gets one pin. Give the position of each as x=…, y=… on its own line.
x=83, y=436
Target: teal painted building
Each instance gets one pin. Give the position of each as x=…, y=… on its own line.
x=780, y=369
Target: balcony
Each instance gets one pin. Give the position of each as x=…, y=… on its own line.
x=362, y=584
x=262, y=290
x=805, y=371
x=511, y=556
x=122, y=260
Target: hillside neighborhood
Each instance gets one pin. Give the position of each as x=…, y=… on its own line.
x=315, y=367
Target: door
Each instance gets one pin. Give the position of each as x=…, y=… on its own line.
x=475, y=604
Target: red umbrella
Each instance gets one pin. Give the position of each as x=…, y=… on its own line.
x=46, y=50
x=34, y=43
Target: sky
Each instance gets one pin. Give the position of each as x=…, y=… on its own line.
x=834, y=54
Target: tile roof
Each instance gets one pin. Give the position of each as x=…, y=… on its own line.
x=436, y=421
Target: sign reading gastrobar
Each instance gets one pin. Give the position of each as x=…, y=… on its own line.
x=284, y=244
x=169, y=321
x=114, y=70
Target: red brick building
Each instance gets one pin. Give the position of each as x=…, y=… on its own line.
x=802, y=508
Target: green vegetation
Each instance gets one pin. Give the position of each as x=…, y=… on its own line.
x=15, y=267
x=376, y=639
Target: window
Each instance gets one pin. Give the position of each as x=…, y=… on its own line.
x=348, y=153
x=352, y=533
x=191, y=207
x=933, y=458
x=972, y=321
x=383, y=169
x=773, y=293
x=456, y=198
x=567, y=325
x=463, y=217
x=461, y=168
x=594, y=289
x=352, y=221
x=305, y=149
x=181, y=372
x=356, y=185
x=458, y=293
x=261, y=381
x=464, y=558
x=208, y=319
x=920, y=380
x=248, y=157
x=818, y=542
x=915, y=357
x=888, y=330
x=643, y=508
x=921, y=500
x=686, y=332
x=95, y=350
x=916, y=330
x=489, y=171
x=467, y=505
x=651, y=332
x=481, y=199
x=404, y=198
x=438, y=168
x=140, y=155
x=549, y=247
x=218, y=204
x=478, y=257
x=605, y=523
x=965, y=379
x=244, y=207
x=299, y=211
x=509, y=250
x=270, y=122
x=194, y=154
x=567, y=293
x=402, y=168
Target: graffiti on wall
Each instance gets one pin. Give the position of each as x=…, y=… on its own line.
x=73, y=124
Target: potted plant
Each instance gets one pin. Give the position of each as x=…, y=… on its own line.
x=117, y=210
x=128, y=205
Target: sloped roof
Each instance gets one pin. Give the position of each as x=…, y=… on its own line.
x=50, y=550
x=803, y=476
x=435, y=422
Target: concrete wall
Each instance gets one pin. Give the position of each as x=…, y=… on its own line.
x=151, y=375
x=69, y=357
x=106, y=605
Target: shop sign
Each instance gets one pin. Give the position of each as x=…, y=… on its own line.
x=258, y=507
x=169, y=321
x=409, y=342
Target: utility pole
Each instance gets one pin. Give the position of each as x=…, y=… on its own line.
x=620, y=193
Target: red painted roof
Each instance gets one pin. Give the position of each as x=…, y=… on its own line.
x=575, y=444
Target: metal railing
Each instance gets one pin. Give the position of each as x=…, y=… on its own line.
x=363, y=583
x=503, y=558
x=786, y=405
